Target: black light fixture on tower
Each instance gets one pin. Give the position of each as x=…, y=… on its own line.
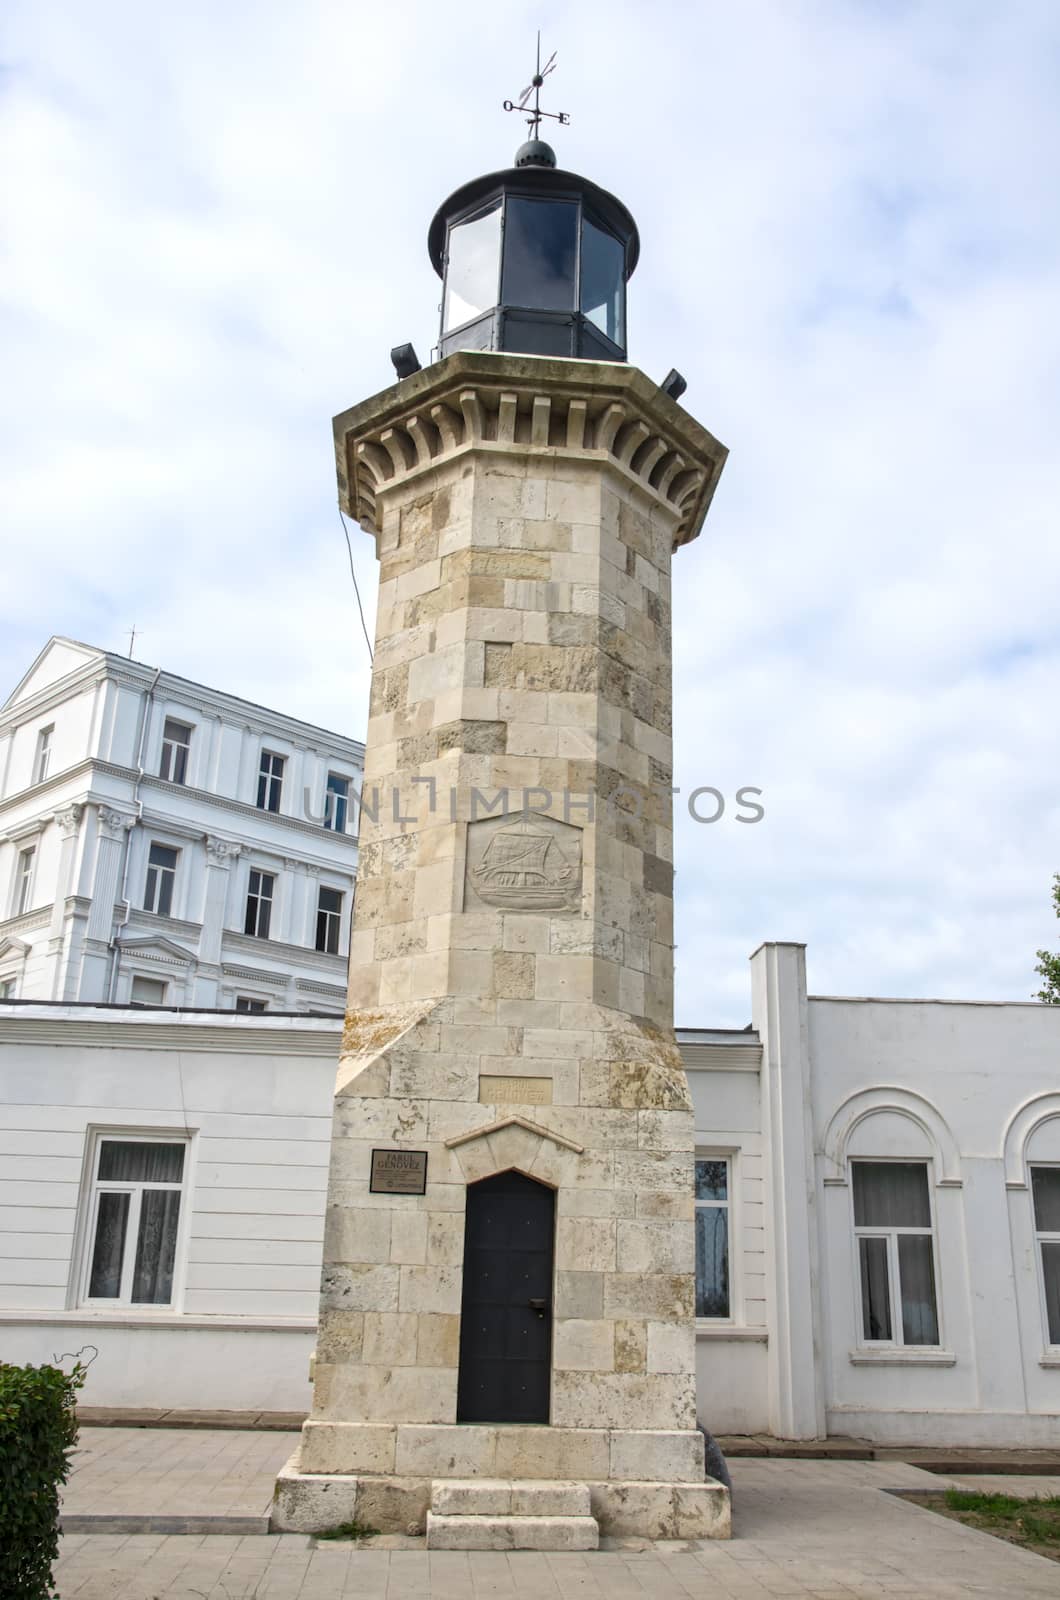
x=534, y=259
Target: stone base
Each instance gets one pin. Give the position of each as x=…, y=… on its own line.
x=314, y=1502
x=468, y=1450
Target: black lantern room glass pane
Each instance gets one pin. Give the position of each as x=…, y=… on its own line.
x=473, y=268
x=540, y=253
x=603, y=281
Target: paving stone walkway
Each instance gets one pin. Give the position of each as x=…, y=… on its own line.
x=185, y=1473
x=815, y=1530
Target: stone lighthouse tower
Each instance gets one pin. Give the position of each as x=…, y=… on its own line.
x=506, y=1349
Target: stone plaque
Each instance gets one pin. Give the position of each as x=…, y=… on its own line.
x=518, y=863
x=399, y=1172
x=523, y=1091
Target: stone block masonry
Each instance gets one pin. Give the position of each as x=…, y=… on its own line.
x=511, y=960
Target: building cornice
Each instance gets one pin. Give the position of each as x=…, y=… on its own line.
x=496, y=403
x=276, y=980
x=53, y=694
x=720, y=1057
x=236, y=944
x=109, y=769
x=234, y=1033
x=137, y=675
x=241, y=808
x=28, y=922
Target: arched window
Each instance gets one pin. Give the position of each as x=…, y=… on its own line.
x=894, y=1150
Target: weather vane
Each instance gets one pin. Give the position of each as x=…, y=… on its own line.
x=535, y=113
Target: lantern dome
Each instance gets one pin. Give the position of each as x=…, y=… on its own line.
x=534, y=260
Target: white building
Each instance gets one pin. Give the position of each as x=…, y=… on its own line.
x=162, y=843
x=878, y=1209
x=892, y=1179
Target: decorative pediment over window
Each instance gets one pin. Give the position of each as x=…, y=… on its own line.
x=158, y=948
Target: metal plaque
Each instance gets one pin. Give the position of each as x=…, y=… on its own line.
x=399, y=1172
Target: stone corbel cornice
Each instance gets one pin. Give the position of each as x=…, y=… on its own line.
x=492, y=402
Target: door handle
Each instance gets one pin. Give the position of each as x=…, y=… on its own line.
x=540, y=1306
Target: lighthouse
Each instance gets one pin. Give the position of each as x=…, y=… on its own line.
x=506, y=1348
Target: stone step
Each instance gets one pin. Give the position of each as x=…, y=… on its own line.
x=469, y=1532
x=504, y=1497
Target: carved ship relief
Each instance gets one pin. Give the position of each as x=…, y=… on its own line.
x=523, y=869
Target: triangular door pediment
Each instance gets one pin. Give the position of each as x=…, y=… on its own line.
x=525, y=1123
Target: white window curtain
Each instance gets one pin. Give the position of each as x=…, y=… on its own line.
x=896, y=1255
x=125, y=1161
x=1045, y=1187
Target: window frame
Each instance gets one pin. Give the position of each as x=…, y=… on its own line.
x=25, y=881
x=341, y=806
x=477, y=213
x=332, y=921
x=151, y=900
x=88, y=1209
x=250, y=1005
x=1042, y=1236
x=171, y=751
x=729, y=1157
x=43, y=753
x=897, y=1341
x=267, y=779
x=255, y=894
x=8, y=980
x=147, y=977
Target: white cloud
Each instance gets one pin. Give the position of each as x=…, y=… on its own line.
x=215, y=231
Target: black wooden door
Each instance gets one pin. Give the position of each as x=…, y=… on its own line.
x=506, y=1315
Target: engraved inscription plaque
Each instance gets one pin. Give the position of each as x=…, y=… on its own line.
x=399, y=1172
x=520, y=1091
x=523, y=863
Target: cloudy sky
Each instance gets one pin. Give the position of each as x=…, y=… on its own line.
x=214, y=232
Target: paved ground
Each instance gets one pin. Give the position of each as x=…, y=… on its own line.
x=821, y=1529
x=175, y=1472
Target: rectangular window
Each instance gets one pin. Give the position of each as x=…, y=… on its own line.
x=147, y=992
x=176, y=742
x=259, y=904
x=896, y=1252
x=1045, y=1186
x=7, y=988
x=161, y=876
x=43, y=757
x=270, y=781
x=473, y=268
x=713, y=1294
x=137, y=1189
x=336, y=802
x=329, y=920
x=24, y=879
x=540, y=253
x=254, y=1008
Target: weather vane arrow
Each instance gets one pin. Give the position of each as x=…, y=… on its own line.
x=534, y=112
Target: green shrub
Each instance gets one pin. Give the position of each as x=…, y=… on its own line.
x=38, y=1427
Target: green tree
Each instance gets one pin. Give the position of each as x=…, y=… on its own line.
x=1048, y=968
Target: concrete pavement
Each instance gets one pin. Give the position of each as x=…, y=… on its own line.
x=808, y=1530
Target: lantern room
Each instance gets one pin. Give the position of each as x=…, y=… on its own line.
x=534, y=260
